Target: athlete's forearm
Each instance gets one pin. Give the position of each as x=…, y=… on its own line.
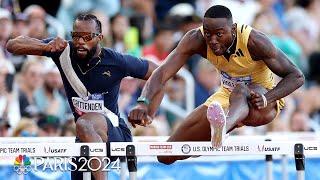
x=24, y=45
x=286, y=86
x=155, y=103
x=153, y=91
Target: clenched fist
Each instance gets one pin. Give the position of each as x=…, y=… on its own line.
x=56, y=45
x=139, y=115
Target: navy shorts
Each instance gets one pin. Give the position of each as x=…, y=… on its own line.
x=119, y=134
x=115, y=134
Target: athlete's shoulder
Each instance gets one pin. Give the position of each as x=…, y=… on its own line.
x=260, y=46
x=110, y=56
x=108, y=51
x=195, y=35
x=193, y=41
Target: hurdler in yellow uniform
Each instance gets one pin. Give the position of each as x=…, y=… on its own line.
x=239, y=68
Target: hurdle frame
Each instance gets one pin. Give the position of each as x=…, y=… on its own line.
x=269, y=163
x=299, y=161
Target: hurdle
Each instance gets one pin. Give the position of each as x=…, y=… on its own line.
x=245, y=145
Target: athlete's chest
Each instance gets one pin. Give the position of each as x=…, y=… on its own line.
x=236, y=64
x=101, y=79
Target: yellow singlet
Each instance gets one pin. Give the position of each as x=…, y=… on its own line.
x=239, y=68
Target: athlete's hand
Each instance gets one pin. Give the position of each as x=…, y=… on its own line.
x=258, y=100
x=56, y=45
x=139, y=115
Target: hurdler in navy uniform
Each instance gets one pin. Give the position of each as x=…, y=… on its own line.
x=100, y=70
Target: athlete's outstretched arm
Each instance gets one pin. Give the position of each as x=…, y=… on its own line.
x=24, y=45
x=192, y=43
x=156, y=101
x=261, y=48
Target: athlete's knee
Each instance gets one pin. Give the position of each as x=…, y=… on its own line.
x=166, y=160
x=101, y=127
x=259, y=118
x=84, y=128
x=269, y=118
x=103, y=134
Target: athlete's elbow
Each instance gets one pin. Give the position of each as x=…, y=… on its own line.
x=299, y=78
x=13, y=45
x=10, y=46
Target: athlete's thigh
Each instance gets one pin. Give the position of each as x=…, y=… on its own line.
x=258, y=117
x=194, y=128
x=98, y=121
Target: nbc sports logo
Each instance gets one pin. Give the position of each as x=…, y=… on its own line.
x=22, y=164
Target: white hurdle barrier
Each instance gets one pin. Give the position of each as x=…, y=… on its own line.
x=234, y=145
x=164, y=148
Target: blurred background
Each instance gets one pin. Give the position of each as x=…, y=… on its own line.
x=32, y=98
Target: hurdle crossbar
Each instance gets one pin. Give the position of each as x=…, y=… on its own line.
x=160, y=148
x=236, y=145
x=206, y=149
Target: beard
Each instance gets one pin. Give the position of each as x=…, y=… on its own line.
x=89, y=55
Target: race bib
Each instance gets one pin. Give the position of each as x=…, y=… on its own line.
x=92, y=103
x=231, y=82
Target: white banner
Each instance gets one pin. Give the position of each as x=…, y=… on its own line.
x=205, y=148
x=232, y=146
